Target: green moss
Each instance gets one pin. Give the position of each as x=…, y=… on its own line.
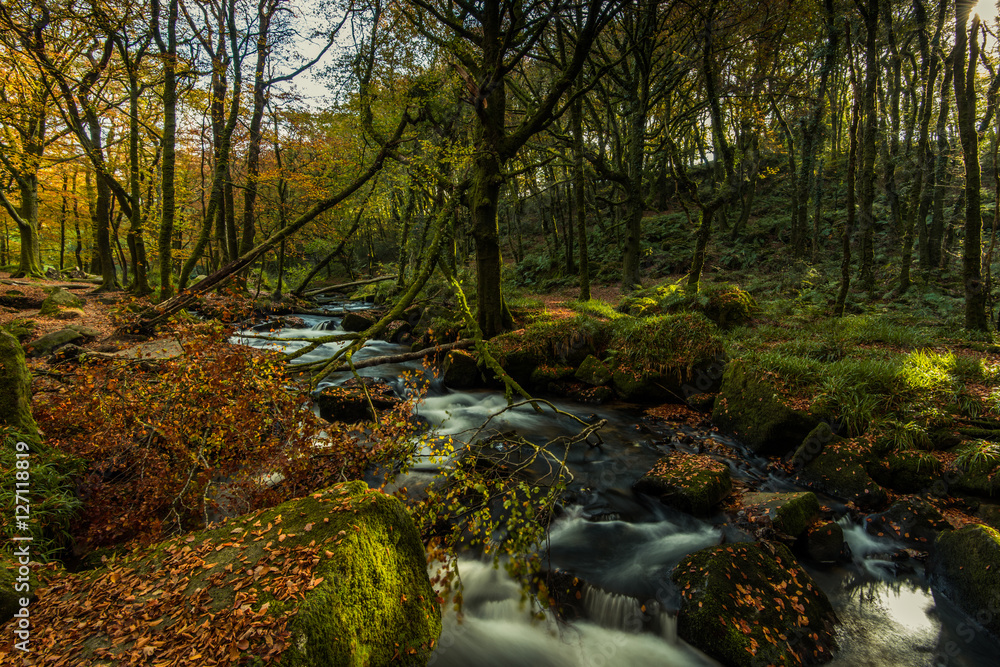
x=724, y=304
x=15, y=399
x=691, y=483
x=361, y=591
x=543, y=375
x=751, y=604
x=965, y=565
x=593, y=371
x=549, y=342
x=789, y=513
x=908, y=471
x=975, y=468
x=749, y=407
x=839, y=470
x=59, y=299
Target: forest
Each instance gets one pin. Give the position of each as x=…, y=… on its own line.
x=629, y=300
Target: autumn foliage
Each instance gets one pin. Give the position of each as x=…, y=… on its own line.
x=170, y=445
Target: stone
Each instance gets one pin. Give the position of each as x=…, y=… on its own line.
x=976, y=469
x=749, y=408
x=545, y=375
x=692, y=483
x=166, y=348
x=59, y=299
x=87, y=332
x=356, y=322
x=593, y=371
x=839, y=471
x=15, y=398
x=750, y=604
x=460, y=370
x=350, y=557
x=911, y=520
x=69, y=314
x=965, y=566
x=825, y=544
x=347, y=403
x=789, y=513
x=908, y=471
x=66, y=353
x=47, y=344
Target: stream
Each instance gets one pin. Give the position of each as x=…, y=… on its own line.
x=623, y=546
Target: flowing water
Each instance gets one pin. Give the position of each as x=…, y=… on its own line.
x=623, y=547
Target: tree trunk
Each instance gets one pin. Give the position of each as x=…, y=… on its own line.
x=869, y=145
x=965, y=99
x=168, y=170
x=852, y=160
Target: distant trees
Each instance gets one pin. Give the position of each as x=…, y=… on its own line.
x=510, y=124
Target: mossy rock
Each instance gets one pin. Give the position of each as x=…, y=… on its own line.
x=544, y=375
x=723, y=303
x=15, y=398
x=87, y=332
x=347, y=402
x=554, y=343
x=59, y=299
x=825, y=543
x=749, y=407
x=460, y=370
x=693, y=483
x=975, y=470
x=750, y=605
x=47, y=344
x=911, y=520
x=989, y=514
x=593, y=371
x=338, y=578
x=965, y=566
x=356, y=322
x=838, y=470
x=908, y=471
x=666, y=358
x=69, y=314
x=20, y=329
x=788, y=513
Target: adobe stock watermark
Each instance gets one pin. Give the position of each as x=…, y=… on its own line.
x=22, y=545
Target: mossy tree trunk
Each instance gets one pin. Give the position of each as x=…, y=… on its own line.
x=869, y=144
x=965, y=99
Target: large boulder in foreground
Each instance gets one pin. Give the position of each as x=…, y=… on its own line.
x=336, y=578
x=965, y=566
x=750, y=604
x=749, y=407
x=692, y=483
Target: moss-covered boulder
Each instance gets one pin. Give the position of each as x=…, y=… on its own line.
x=665, y=358
x=911, y=520
x=59, y=299
x=839, y=471
x=907, y=471
x=692, y=483
x=356, y=322
x=750, y=604
x=788, y=513
x=593, y=371
x=965, y=566
x=723, y=303
x=825, y=543
x=15, y=398
x=558, y=342
x=976, y=469
x=749, y=407
x=89, y=333
x=348, y=402
x=460, y=370
x=47, y=344
x=337, y=578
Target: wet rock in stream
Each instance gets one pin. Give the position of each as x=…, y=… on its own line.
x=347, y=402
x=751, y=604
x=690, y=482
